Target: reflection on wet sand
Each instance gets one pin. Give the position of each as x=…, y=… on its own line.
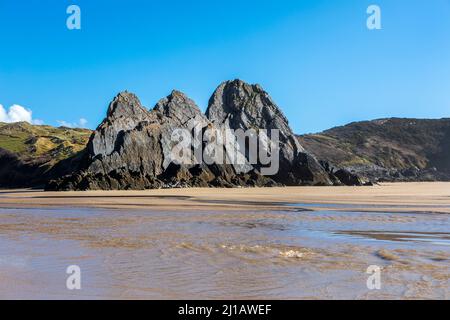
x=433, y=237
x=240, y=254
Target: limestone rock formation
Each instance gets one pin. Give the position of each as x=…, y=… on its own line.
x=238, y=105
x=133, y=147
x=131, y=150
x=123, y=153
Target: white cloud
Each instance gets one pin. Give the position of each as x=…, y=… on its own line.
x=17, y=113
x=38, y=122
x=63, y=123
x=80, y=124
x=83, y=122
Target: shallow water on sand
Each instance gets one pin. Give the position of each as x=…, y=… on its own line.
x=292, y=254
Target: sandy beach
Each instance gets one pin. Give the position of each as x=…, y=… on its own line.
x=393, y=197
x=281, y=243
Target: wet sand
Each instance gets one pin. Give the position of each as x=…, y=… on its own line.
x=431, y=197
x=291, y=243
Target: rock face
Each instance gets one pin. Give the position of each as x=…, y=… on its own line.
x=133, y=147
x=238, y=105
x=348, y=178
x=118, y=154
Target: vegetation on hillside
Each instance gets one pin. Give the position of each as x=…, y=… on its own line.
x=28, y=152
x=32, y=141
x=390, y=148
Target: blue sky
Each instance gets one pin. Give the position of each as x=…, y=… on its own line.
x=317, y=58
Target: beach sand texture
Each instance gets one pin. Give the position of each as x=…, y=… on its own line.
x=394, y=197
x=280, y=243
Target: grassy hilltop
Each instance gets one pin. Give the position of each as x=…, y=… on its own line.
x=28, y=152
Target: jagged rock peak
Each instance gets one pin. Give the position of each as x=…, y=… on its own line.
x=178, y=107
x=126, y=104
x=124, y=113
x=238, y=105
x=236, y=97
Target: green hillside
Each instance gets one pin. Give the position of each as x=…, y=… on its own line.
x=34, y=142
x=32, y=154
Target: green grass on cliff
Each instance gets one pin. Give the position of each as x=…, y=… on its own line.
x=33, y=141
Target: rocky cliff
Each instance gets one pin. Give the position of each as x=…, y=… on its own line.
x=387, y=149
x=238, y=105
x=132, y=147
